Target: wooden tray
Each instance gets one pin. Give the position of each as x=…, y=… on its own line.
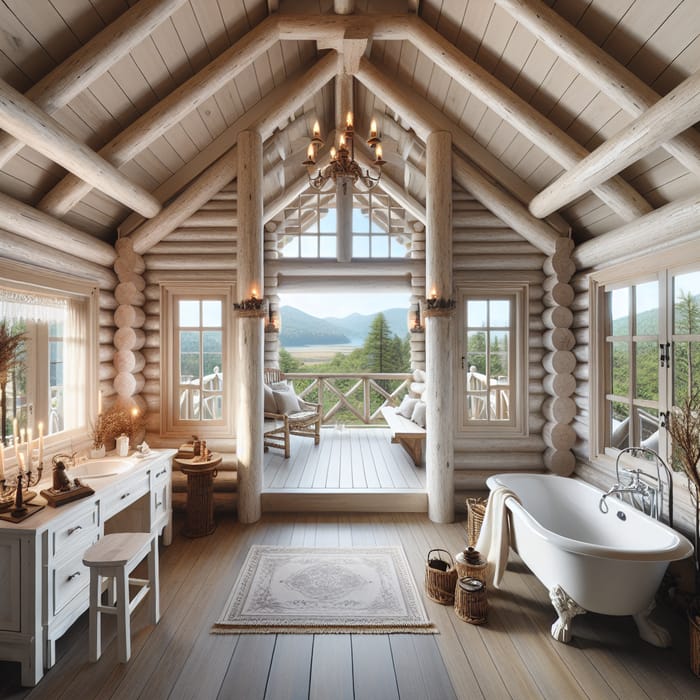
x=59, y=498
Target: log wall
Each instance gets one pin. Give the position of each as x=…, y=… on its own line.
x=486, y=249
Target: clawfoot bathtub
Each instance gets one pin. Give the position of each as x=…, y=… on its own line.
x=610, y=563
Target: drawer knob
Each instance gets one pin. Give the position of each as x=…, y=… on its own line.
x=73, y=530
x=74, y=575
x=158, y=503
x=125, y=495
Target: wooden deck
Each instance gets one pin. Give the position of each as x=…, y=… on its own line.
x=512, y=656
x=355, y=469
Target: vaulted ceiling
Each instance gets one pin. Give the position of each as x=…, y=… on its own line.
x=139, y=99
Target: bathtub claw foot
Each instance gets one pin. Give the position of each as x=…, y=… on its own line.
x=649, y=631
x=567, y=608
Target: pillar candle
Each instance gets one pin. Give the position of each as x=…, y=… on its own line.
x=41, y=442
x=28, y=446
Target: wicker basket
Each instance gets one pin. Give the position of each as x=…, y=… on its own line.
x=472, y=566
x=440, y=577
x=470, y=601
x=476, y=508
x=694, y=630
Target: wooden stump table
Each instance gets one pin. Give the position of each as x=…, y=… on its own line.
x=200, y=494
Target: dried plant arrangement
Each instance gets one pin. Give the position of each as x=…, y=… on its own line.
x=9, y=342
x=116, y=421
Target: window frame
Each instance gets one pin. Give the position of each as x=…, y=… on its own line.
x=664, y=268
x=26, y=278
x=518, y=425
x=171, y=425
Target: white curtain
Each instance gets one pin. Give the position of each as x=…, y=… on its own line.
x=25, y=306
x=74, y=365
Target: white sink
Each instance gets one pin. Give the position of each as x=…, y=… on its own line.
x=103, y=467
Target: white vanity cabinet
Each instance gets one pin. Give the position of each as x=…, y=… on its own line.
x=44, y=586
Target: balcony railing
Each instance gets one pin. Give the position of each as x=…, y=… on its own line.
x=354, y=398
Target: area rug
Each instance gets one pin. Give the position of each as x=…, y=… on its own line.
x=320, y=590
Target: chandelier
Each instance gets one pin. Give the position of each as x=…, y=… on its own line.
x=342, y=164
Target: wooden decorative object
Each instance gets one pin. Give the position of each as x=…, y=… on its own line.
x=470, y=564
x=470, y=600
x=440, y=577
x=56, y=498
x=694, y=629
x=476, y=508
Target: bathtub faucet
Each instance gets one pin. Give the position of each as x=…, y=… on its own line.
x=635, y=486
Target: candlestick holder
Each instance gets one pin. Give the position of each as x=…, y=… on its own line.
x=15, y=498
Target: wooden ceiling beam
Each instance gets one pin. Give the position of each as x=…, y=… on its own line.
x=308, y=27
x=602, y=70
x=92, y=60
x=425, y=117
x=168, y=112
x=668, y=226
x=20, y=117
x=27, y=222
x=504, y=206
x=270, y=113
x=669, y=116
x=617, y=193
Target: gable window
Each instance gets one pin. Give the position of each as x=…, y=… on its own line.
x=52, y=386
x=197, y=393
x=649, y=342
x=492, y=385
x=377, y=227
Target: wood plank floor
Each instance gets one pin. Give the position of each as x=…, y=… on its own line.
x=354, y=459
x=512, y=656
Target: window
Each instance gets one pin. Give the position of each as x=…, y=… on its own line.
x=378, y=228
x=311, y=227
x=492, y=384
x=52, y=386
x=197, y=394
x=649, y=342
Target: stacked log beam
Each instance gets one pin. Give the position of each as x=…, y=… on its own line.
x=559, y=362
x=272, y=337
x=129, y=317
x=581, y=331
x=417, y=338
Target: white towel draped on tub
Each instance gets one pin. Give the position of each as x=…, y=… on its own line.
x=494, y=536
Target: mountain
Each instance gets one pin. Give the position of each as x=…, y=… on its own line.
x=300, y=328
x=358, y=325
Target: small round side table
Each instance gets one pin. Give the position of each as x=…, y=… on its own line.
x=200, y=494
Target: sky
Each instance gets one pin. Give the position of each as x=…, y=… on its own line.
x=340, y=305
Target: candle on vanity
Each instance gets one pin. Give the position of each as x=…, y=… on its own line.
x=15, y=439
x=28, y=446
x=41, y=443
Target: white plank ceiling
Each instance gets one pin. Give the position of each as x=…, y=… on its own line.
x=657, y=40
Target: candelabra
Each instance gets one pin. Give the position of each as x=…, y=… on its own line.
x=14, y=497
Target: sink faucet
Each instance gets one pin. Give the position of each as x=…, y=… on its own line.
x=636, y=485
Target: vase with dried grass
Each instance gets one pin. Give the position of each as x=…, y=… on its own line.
x=683, y=426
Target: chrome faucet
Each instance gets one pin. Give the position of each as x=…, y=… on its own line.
x=635, y=486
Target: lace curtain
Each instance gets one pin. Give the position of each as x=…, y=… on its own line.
x=74, y=364
x=25, y=306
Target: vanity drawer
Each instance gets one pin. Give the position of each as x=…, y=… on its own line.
x=124, y=494
x=70, y=578
x=64, y=537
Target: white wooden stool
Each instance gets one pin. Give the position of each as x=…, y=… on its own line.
x=115, y=557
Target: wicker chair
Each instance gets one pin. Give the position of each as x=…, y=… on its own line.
x=305, y=422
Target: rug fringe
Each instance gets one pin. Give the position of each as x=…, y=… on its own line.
x=429, y=629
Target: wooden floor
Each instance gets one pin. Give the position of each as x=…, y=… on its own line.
x=353, y=458
x=512, y=656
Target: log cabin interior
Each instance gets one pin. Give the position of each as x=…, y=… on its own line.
x=528, y=168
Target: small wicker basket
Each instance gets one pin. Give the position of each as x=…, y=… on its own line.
x=470, y=564
x=470, y=601
x=440, y=577
x=476, y=508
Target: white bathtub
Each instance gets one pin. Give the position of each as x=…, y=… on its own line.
x=610, y=563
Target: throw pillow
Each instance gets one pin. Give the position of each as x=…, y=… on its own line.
x=418, y=415
x=407, y=406
x=287, y=401
x=418, y=375
x=270, y=406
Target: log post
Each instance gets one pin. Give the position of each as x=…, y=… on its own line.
x=439, y=446
x=343, y=185
x=249, y=431
x=559, y=363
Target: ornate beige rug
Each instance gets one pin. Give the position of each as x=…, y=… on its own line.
x=308, y=590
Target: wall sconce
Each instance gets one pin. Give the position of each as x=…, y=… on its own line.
x=251, y=306
x=273, y=320
x=415, y=324
x=439, y=306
